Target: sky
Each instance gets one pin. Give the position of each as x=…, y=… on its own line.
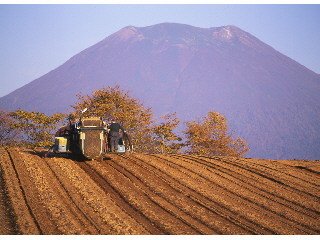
x=36, y=39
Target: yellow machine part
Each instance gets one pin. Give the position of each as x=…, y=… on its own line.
x=61, y=141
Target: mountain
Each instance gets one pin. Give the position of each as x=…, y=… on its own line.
x=269, y=99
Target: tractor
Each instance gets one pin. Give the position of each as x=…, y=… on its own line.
x=88, y=137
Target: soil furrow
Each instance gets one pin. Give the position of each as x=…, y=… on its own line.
x=30, y=192
x=260, y=187
x=95, y=202
x=208, y=187
x=160, y=216
x=300, y=192
x=176, y=196
x=119, y=200
x=286, y=179
x=285, y=192
x=62, y=211
x=280, y=212
x=223, y=215
x=24, y=218
x=294, y=172
x=7, y=216
x=141, y=194
x=83, y=191
x=294, y=211
x=86, y=222
x=137, y=177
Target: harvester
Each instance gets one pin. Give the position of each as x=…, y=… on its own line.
x=88, y=137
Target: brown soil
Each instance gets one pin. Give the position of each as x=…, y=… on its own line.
x=157, y=194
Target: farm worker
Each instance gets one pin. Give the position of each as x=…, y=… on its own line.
x=114, y=134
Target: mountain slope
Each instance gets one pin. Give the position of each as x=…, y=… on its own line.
x=269, y=99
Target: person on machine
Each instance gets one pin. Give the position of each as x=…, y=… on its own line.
x=114, y=134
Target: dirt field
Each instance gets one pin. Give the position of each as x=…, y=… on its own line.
x=157, y=194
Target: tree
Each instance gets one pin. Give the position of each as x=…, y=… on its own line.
x=211, y=137
x=165, y=138
x=36, y=129
x=113, y=102
x=8, y=134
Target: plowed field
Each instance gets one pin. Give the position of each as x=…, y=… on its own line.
x=157, y=194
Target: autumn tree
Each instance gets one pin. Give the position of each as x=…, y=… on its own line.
x=116, y=103
x=8, y=134
x=36, y=129
x=211, y=137
x=166, y=140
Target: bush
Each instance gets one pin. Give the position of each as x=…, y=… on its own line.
x=211, y=137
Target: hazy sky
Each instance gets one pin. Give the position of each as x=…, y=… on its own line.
x=36, y=39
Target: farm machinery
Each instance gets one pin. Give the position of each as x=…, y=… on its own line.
x=88, y=137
